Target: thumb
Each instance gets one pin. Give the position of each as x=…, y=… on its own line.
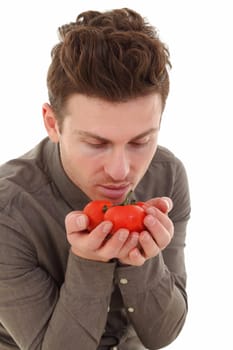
x=75, y=221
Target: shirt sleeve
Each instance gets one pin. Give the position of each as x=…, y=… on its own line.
x=154, y=294
x=39, y=315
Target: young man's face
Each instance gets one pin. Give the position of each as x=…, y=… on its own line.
x=106, y=147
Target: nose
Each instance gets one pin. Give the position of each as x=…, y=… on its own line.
x=117, y=165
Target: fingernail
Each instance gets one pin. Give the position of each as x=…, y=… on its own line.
x=150, y=219
x=135, y=253
x=134, y=237
x=81, y=222
x=167, y=203
x=151, y=210
x=145, y=236
x=123, y=234
x=107, y=227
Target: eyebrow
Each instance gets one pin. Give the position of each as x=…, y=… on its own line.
x=103, y=139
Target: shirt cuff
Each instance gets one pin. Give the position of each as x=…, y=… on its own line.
x=137, y=279
x=89, y=277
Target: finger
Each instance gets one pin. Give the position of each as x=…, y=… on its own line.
x=164, y=204
x=76, y=221
x=97, y=237
x=162, y=237
x=113, y=245
x=168, y=202
x=136, y=257
x=159, y=216
x=148, y=245
x=131, y=243
x=158, y=231
x=88, y=245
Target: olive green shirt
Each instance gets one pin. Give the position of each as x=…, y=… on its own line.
x=51, y=299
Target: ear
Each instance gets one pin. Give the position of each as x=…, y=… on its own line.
x=50, y=123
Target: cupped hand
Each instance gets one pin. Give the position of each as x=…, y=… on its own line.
x=96, y=245
x=158, y=235
x=131, y=248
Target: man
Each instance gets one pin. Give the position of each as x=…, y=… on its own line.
x=62, y=287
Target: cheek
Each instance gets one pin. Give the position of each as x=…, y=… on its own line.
x=143, y=157
x=145, y=161
x=86, y=165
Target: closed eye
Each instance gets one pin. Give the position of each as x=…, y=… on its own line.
x=140, y=143
x=97, y=145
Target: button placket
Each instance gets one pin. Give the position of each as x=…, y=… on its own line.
x=130, y=309
x=125, y=281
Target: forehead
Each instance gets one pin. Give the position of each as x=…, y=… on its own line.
x=99, y=116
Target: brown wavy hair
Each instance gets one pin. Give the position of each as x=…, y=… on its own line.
x=114, y=55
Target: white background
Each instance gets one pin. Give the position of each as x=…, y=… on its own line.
x=196, y=126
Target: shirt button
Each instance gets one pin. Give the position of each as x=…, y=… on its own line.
x=108, y=308
x=123, y=281
x=130, y=309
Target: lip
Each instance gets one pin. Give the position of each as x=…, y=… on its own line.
x=116, y=193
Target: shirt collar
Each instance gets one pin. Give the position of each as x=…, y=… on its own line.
x=71, y=193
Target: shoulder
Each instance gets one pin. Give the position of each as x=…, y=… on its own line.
x=165, y=166
x=166, y=176
x=26, y=174
x=164, y=155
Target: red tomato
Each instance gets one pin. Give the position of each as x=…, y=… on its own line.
x=140, y=204
x=129, y=216
x=95, y=211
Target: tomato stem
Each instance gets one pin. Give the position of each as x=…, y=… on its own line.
x=128, y=199
x=105, y=208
